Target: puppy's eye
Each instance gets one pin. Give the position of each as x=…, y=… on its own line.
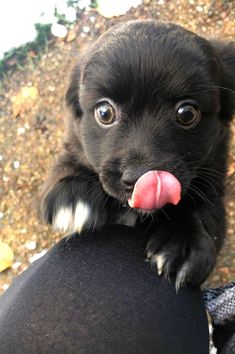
x=188, y=115
x=105, y=113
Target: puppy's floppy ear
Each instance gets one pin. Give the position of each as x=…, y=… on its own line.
x=72, y=94
x=226, y=55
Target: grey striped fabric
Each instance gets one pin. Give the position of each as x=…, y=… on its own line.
x=220, y=303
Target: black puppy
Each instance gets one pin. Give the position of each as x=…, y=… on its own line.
x=146, y=97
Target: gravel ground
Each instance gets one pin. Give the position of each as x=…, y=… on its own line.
x=31, y=129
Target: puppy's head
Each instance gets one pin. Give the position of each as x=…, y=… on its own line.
x=151, y=96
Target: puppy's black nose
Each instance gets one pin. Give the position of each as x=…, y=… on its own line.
x=129, y=179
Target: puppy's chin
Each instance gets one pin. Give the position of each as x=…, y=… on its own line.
x=143, y=212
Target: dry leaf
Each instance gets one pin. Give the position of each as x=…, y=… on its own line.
x=224, y=270
x=231, y=169
x=229, y=28
x=24, y=100
x=71, y=36
x=6, y=256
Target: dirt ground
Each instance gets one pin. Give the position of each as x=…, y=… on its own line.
x=31, y=128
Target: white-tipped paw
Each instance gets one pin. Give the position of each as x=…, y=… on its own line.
x=188, y=270
x=68, y=220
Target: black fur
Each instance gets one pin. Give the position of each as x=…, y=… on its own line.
x=146, y=69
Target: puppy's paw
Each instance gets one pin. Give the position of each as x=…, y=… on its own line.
x=73, y=205
x=68, y=219
x=187, y=257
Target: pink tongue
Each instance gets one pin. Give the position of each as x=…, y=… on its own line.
x=155, y=189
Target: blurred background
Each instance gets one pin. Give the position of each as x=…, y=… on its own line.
x=40, y=42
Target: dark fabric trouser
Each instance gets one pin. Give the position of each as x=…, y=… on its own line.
x=96, y=294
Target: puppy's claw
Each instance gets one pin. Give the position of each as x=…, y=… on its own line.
x=149, y=255
x=159, y=260
x=181, y=276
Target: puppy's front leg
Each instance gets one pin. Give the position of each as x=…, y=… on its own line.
x=185, y=246
x=73, y=199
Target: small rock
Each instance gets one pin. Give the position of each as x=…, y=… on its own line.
x=16, y=164
x=23, y=231
x=51, y=88
x=31, y=245
x=86, y=29
x=16, y=265
x=199, y=9
x=5, y=178
x=58, y=30
x=20, y=130
x=92, y=19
